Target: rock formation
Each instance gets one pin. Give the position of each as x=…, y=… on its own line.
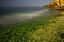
x=56, y=3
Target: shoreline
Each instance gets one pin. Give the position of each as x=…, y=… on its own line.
x=18, y=17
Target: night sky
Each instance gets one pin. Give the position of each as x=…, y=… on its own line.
x=23, y=3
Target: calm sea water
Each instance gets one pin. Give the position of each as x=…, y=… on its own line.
x=8, y=10
x=9, y=15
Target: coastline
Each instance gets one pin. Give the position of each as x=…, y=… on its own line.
x=18, y=17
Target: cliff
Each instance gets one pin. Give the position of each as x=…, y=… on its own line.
x=57, y=3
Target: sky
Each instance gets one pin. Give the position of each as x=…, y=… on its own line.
x=23, y=3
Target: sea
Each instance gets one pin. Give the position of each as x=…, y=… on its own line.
x=9, y=15
x=8, y=10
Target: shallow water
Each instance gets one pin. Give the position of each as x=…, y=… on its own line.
x=18, y=17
